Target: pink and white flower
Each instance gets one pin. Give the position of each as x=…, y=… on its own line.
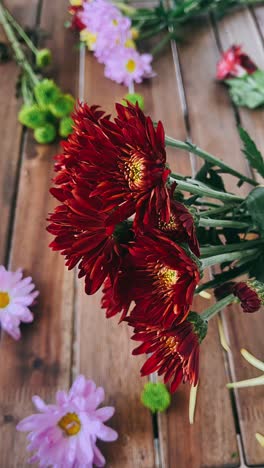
x=64, y=435
x=127, y=65
x=16, y=295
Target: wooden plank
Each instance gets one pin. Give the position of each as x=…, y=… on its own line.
x=244, y=330
x=41, y=361
x=11, y=131
x=211, y=125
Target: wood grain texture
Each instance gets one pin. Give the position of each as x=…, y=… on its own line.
x=10, y=130
x=41, y=361
x=246, y=331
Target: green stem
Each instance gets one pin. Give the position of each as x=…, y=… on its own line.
x=21, y=32
x=155, y=50
x=218, y=306
x=227, y=257
x=208, y=157
x=220, y=249
x=19, y=54
x=222, y=223
x=207, y=192
x=216, y=211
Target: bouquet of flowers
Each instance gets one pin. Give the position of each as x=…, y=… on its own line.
x=145, y=235
x=115, y=30
x=46, y=109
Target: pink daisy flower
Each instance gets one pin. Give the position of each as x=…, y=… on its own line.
x=64, y=435
x=16, y=295
x=126, y=66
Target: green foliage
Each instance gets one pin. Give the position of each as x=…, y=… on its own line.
x=63, y=106
x=134, y=98
x=46, y=92
x=43, y=58
x=45, y=134
x=32, y=116
x=210, y=176
x=66, y=126
x=248, y=90
x=251, y=152
x=156, y=397
x=255, y=205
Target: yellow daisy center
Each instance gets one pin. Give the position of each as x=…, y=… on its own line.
x=167, y=276
x=130, y=44
x=171, y=225
x=131, y=65
x=70, y=424
x=134, y=172
x=4, y=299
x=115, y=22
x=172, y=343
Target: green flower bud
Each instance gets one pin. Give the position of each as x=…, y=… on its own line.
x=200, y=326
x=156, y=397
x=43, y=58
x=45, y=134
x=32, y=116
x=134, y=98
x=46, y=92
x=66, y=126
x=63, y=106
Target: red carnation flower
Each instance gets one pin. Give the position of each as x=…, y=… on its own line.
x=83, y=235
x=234, y=63
x=251, y=295
x=164, y=281
x=175, y=351
x=180, y=226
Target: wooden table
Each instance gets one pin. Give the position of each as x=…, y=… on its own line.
x=70, y=334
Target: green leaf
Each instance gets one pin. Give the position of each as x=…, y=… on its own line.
x=255, y=205
x=247, y=90
x=209, y=176
x=251, y=152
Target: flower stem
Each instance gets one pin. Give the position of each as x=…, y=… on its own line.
x=227, y=257
x=218, y=306
x=209, y=158
x=247, y=383
x=216, y=211
x=222, y=223
x=19, y=54
x=221, y=249
x=21, y=32
x=204, y=191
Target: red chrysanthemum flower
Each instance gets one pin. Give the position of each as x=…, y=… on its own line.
x=126, y=158
x=164, y=280
x=116, y=297
x=251, y=295
x=174, y=351
x=83, y=235
x=180, y=227
x=234, y=63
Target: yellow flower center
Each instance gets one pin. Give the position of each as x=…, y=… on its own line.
x=131, y=65
x=115, y=22
x=171, y=225
x=70, y=424
x=134, y=33
x=4, y=299
x=130, y=44
x=76, y=2
x=167, y=276
x=134, y=171
x=171, y=343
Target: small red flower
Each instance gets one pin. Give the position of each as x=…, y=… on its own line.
x=164, y=281
x=174, y=351
x=84, y=237
x=180, y=226
x=251, y=295
x=234, y=63
x=76, y=22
